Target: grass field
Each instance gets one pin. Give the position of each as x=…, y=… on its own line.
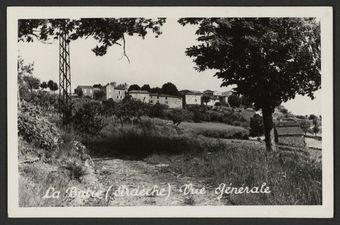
x=215, y=130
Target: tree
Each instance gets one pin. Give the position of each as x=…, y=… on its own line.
x=269, y=60
x=169, y=89
x=43, y=85
x=282, y=109
x=206, y=99
x=32, y=82
x=99, y=95
x=156, y=90
x=146, y=87
x=87, y=121
x=122, y=86
x=312, y=117
x=134, y=87
x=234, y=100
x=316, y=129
x=157, y=110
x=23, y=70
x=106, y=31
x=305, y=125
x=98, y=86
x=53, y=87
x=50, y=84
x=177, y=116
x=130, y=109
x=256, y=126
x=245, y=101
x=79, y=92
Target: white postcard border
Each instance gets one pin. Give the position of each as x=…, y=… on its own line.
x=326, y=17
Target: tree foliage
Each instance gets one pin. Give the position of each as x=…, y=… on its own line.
x=146, y=87
x=234, y=100
x=206, y=99
x=305, y=125
x=177, y=116
x=43, y=85
x=87, y=120
x=79, y=92
x=106, y=31
x=134, y=87
x=169, y=89
x=156, y=90
x=31, y=82
x=99, y=95
x=256, y=126
x=268, y=60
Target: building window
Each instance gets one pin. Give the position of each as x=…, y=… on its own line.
x=166, y=97
x=119, y=92
x=117, y=97
x=151, y=101
x=166, y=102
x=157, y=97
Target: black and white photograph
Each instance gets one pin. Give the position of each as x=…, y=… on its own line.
x=199, y=109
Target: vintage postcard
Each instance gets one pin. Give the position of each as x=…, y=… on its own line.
x=170, y=111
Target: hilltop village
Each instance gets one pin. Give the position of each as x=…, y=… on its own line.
x=177, y=99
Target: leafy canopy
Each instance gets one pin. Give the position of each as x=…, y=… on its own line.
x=107, y=31
x=269, y=60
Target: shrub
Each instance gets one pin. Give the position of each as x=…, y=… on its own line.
x=87, y=121
x=36, y=129
x=177, y=116
x=157, y=110
x=256, y=126
x=199, y=112
x=234, y=100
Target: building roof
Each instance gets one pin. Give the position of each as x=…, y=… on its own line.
x=189, y=92
x=119, y=88
x=139, y=92
x=164, y=95
x=288, y=129
x=208, y=91
x=85, y=86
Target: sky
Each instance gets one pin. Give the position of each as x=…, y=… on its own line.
x=153, y=61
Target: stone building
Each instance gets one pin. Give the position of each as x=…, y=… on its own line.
x=87, y=90
x=169, y=100
x=192, y=97
x=141, y=95
x=117, y=94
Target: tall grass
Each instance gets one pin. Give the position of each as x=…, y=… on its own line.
x=292, y=178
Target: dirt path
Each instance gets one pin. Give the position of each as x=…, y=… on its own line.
x=139, y=174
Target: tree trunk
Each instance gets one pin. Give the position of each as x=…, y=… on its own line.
x=268, y=126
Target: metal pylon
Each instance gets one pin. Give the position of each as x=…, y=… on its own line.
x=64, y=72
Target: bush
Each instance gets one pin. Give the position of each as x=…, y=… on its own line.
x=256, y=126
x=87, y=121
x=157, y=110
x=177, y=116
x=234, y=100
x=199, y=112
x=36, y=129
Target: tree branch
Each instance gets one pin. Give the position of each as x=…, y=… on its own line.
x=124, y=50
